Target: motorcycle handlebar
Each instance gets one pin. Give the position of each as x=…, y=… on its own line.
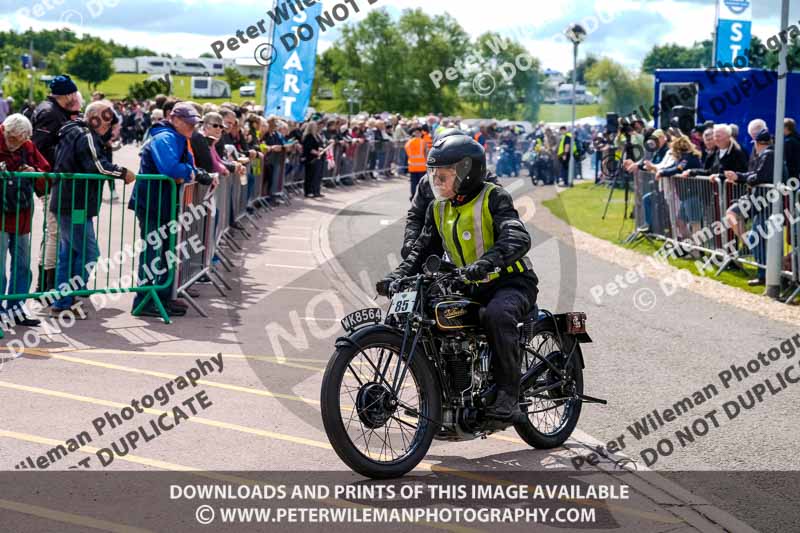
x=454, y=272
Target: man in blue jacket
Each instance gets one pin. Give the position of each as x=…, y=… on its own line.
x=166, y=152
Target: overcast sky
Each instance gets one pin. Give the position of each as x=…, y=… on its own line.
x=187, y=27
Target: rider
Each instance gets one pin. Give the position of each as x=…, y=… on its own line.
x=415, y=218
x=476, y=223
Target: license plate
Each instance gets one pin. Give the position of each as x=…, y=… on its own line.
x=402, y=302
x=361, y=317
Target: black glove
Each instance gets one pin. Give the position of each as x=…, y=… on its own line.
x=406, y=249
x=382, y=287
x=202, y=177
x=477, y=271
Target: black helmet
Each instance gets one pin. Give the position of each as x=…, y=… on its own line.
x=447, y=133
x=466, y=155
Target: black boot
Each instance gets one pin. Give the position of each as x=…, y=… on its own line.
x=505, y=407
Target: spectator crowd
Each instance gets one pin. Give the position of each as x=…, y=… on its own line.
x=218, y=145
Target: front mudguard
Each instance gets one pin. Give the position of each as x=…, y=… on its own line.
x=354, y=339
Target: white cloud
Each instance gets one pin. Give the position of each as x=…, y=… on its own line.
x=532, y=23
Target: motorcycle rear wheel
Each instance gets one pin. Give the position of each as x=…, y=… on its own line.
x=550, y=418
x=357, y=409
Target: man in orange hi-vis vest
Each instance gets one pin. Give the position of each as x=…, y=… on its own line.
x=416, y=150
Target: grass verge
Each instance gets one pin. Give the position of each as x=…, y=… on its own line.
x=582, y=207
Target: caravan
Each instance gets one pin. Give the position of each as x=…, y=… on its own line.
x=153, y=65
x=207, y=87
x=215, y=67
x=125, y=64
x=190, y=67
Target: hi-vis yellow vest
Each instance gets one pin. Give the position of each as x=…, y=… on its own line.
x=562, y=145
x=467, y=230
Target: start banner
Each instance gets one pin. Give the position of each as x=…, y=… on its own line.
x=291, y=67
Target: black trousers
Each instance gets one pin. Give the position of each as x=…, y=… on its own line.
x=313, y=180
x=507, y=300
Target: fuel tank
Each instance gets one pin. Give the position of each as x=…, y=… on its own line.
x=454, y=314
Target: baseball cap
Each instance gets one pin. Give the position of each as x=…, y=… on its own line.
x=764, y=137
x=186, y=112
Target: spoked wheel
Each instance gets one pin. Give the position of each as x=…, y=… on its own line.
x=376, y=433
x=553, y=414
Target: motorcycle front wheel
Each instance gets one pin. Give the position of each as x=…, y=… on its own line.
x=376, y=434
x=551, y=415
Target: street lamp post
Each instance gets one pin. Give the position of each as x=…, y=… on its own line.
x=353, y=95
x=576, y=34
x=774, y=246
x=6, y=70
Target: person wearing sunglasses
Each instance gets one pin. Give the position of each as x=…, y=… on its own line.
x=475, y=222
x=204, y=146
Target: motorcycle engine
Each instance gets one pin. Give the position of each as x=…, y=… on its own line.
x=467, y=362
x=467, y=367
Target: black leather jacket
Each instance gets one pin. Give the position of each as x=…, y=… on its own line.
x=761, y=169
x=415, y=218
x=47, y=121
x=511, y=239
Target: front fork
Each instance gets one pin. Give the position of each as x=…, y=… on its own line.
x=404, y=362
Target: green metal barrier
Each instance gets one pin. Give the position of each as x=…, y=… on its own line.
x=117, y=246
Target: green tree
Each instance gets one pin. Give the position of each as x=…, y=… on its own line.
x=435, y=43
x=583, y=66
x=622, y=91
x=90, y=63
x=234, y=78
x=505, y=81
x=142, y=90
x=377, y=58
x=17, y=85
x=772, y=59
x=676, y=56
x=391, y=61
x=331, y=64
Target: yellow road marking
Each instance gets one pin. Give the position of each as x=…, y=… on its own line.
x=154, y=373
x=194, y=471
x=195, y=419
x=268, y=358
x=68, y=518
x=310, y=401
x=225, y=357
x=422, y=465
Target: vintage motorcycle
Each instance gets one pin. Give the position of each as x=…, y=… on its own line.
x=425, y=373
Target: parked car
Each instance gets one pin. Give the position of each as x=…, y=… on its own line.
x=248, y=89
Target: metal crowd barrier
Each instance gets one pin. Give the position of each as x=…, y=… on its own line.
x=195, y=225
x=684, y=212
x=198, y=206
x=107, y=250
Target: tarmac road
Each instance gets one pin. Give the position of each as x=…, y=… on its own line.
x=304, y=268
